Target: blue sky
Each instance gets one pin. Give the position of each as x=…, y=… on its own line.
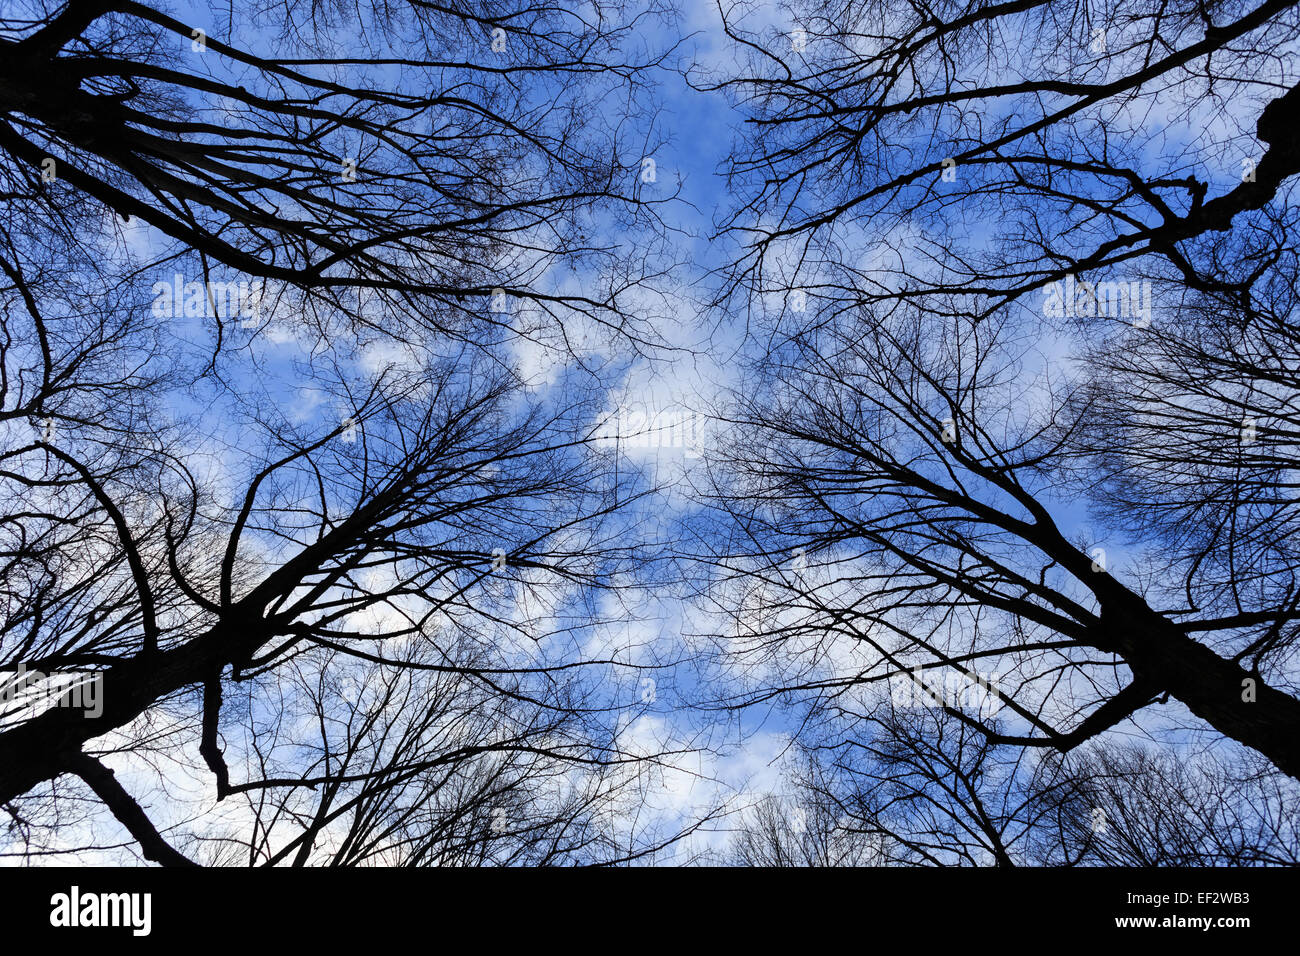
x=740, y=755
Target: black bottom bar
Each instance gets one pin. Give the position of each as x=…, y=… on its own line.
x=376, y=906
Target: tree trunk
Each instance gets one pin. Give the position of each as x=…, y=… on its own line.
x=1212, y=687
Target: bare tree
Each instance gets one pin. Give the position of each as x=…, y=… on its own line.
x=979, y=153
x=803, y=826
x=1128, y=805
x=916, y=787
x=413, y=549
x=908, y=462
x=335, y=605
x=412, y=164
